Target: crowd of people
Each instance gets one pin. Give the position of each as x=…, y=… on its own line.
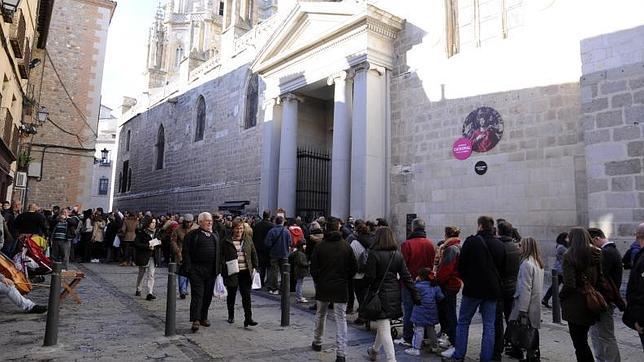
x=418, y=281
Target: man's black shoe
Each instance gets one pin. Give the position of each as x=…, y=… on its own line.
x=182, y=296
x=150, y=297
x=316, y=347
x=137, y=294
x=340, y=359
x=37, y=309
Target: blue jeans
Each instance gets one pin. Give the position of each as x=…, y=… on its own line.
x=408, y=307
x=341, y=334
x=299, y=294
x=488, y=313
x=183, y=285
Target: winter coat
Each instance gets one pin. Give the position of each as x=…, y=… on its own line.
x=426, y=313
x=573, y=302
x=527, y=297
x=260, y=230
x=278, y=241
x=476, y=269
x=390, y=290
x=297, y=235
x=129, y=228
x=315, y=238
x=229, y=252
x=143, y=253
x=419, y=252
x=612, y=264
x=360, y=244
x=511, y=266
x=176, y=242
x=301, y=265
x=332, y=266
x=98, y=234
x=191, y=251
x=447, y=270
x=635, y=289
x=559, y=253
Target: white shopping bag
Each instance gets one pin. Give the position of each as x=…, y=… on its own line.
x=220, y=289
x=257, y=281
x=117, y=242
x=232, y=266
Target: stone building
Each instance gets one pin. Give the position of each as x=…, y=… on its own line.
x=23, y=28
x=69, y=85
x=444, y=110
x=103, y=165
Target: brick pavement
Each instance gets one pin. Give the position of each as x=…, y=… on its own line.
x=113, y=324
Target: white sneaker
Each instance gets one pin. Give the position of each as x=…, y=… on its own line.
x=448, y=352
x=402, y=342
x=302, y=300
x=412, y=352
x=444, y=343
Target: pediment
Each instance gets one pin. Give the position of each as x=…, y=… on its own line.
x=311, y=24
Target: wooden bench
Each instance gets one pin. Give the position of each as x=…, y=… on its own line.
x=74, y=277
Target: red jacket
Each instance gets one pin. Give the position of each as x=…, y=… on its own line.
x=419, y=252
x=447, y=271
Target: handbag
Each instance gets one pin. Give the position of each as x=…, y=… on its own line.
x=521, y=333
x=611, y=294
x=595, y=302
x=372, y=308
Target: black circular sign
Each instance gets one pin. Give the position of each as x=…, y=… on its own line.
x=484, y=128
x=480, y=168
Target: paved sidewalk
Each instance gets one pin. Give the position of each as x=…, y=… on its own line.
x=114, y=325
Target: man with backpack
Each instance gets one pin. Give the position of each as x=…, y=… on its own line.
x=361, y=245
x=418, y=252
x=278, y=241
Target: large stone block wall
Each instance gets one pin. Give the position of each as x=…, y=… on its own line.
x=612, y=91
x=197, y=176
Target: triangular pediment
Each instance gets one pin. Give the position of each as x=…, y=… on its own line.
x=310, y=24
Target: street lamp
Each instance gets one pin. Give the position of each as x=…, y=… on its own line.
x=11, y=4
x=104, y=153
x=42, y=115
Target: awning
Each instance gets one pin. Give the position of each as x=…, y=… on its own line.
x=233, y=205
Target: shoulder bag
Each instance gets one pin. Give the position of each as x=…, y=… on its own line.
x=521, y=333
x=595, y=302
x=372, y=308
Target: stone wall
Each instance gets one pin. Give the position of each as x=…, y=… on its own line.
x=197, y=176
x=612, y=91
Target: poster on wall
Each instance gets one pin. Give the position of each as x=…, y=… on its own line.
x=484, y=128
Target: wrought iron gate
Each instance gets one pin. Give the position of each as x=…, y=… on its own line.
x=313, y=174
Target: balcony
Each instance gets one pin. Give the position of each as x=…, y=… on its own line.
x=17, y=34
x=23, y=64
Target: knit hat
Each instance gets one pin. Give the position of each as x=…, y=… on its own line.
x=188, y=217
x=315, y=225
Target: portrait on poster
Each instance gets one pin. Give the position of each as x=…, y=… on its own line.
x=484, y=128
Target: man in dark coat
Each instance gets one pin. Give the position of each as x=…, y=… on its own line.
x=509, y=274
x=602, y=333
x=278, y=242
x=634, y=314
x=260, y=230
x=332, y=266
x=482, y=256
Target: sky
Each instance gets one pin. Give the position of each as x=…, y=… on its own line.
x=126, y=51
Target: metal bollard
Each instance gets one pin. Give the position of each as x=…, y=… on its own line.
x=171, y=302
x=556, y=307
x=286, y=295
x=53, y=311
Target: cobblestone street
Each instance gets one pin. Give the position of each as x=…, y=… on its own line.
x=113, y=324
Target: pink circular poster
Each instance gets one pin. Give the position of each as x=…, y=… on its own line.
x=462, y=148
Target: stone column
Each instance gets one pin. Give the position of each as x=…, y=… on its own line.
x=271, y=132
x=368, y=142
x=341, y=149
x=288, y=155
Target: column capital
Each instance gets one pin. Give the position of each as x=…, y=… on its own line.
x=339, y=76
x=290, y=97
x=367, y=66
x=271, y=102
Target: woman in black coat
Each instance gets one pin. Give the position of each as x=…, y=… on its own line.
x=385, y=253
x=147, y=257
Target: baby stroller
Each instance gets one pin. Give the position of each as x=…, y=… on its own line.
x=30, y=258
x=395, y=324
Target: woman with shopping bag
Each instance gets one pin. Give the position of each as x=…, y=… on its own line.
x=201, y=256
x=238, y=266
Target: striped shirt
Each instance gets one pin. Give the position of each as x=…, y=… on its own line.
x=241, y=257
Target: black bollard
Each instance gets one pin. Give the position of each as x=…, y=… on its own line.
x=171, y=302
x=286, y=295
x=53, y=311
x=556, y=308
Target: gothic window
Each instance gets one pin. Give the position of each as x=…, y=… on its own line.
x=221, y=8
x=120, y=189
x=125, y=177
x=451, y=10
x=201, y=119
x=127, y=141
x=129, y=179
x=250, y=119
x=160, y=148
x=178, y=56
x=102, y=185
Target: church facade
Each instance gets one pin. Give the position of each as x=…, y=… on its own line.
x=444, y=110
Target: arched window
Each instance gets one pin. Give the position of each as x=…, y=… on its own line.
x=120, y=182
x=160, y=148
x=201, y=119
x=250, y=119
x=127, y=141
x=178, y=56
